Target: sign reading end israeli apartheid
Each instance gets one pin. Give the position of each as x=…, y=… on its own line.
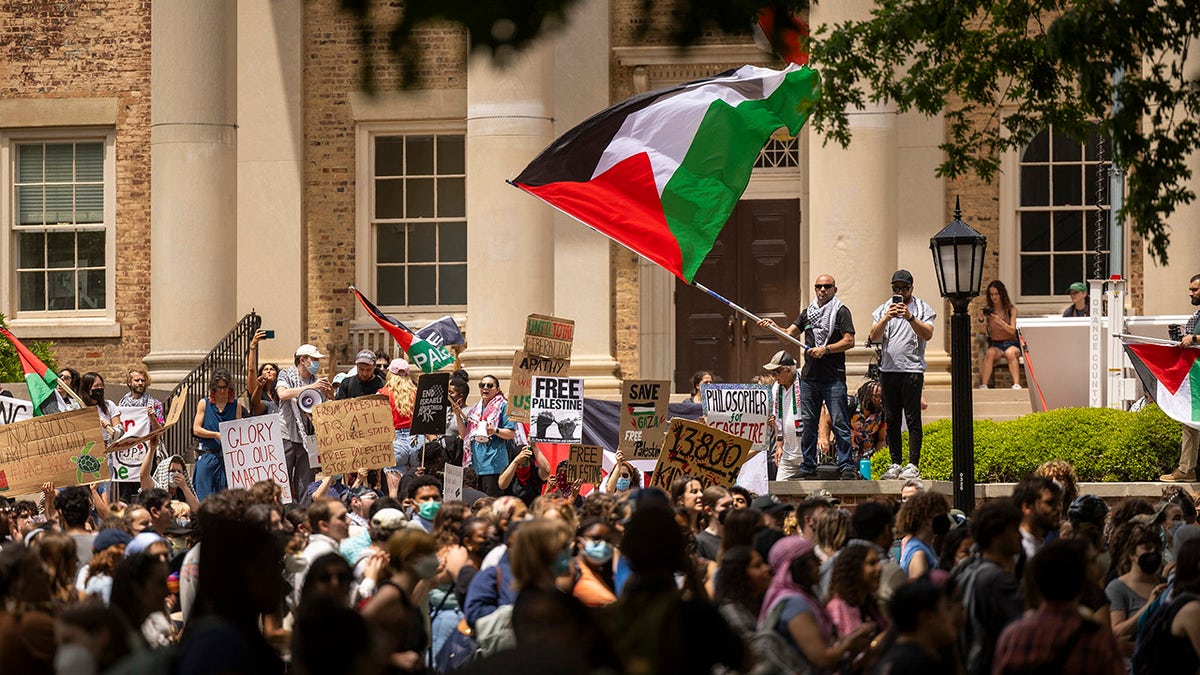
x=643, y=417
x=354, y=433
x=556, y=410
x=65, y=448
x=585, y=463
x=520, y=386
x=549, y=336
x=738, y=409
x=253, y=452
x=710, y=455
x=429, y=411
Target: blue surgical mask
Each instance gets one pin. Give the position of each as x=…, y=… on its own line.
x=622, y=484
x=313, y=367
x=598, y=551
x=561, y=564
x=428, y=510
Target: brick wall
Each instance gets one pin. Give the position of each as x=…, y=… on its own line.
x=96, y=48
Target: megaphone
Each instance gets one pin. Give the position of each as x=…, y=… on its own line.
x=309, y=399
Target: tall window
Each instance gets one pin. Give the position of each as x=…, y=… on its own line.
x=58, y=195
x=1063, y=214
x=418, y=220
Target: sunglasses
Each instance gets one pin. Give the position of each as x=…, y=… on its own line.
x=822, y=287
x=487, y=385
x=899, y=288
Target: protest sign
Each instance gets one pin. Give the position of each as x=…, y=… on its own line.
x=525, y=368
x=15, y=410
x=556, y=410
x=354, y=433
x=253, y=452
x=452, y=483
x=738, y=409
x=549, y=336
x=429, y=411
x=710, y=455
x=173, y=415
x=65, y=448
x=585, y=462
x=643, y=417
x=126, y=465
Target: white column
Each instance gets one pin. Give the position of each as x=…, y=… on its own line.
x=193, y=204
x=510, y=235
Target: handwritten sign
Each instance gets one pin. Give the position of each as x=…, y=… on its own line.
x=643, y=417
x=15, y=410
x=738, y=409
x=585, y=462
x=549, y=336
x=126, y=465
x=710, y=455
x=452, y=482
x=520, y=387
x=429, y=412
x=556, y=410
x=253, y=451
x=354, y=433
x=66, y=448
x=173, y=415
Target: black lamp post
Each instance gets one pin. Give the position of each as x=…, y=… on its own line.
x=958, y=260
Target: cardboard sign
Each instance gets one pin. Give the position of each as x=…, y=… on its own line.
x=354, y=433
x=585, y=462
x=452, y=483
x=710, y=455
x=525, y=368
x=126, y=465
x=429, y=412
x=15, y=410
x=556, y=410
x=253, y=451
x=643, y=417
x=65, y=448
x=173, y=415
x=549, y=336
x=738, y=409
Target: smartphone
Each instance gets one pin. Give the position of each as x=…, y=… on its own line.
x=897, y=299
x=269, y=335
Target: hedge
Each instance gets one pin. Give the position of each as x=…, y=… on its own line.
x=1102, y=443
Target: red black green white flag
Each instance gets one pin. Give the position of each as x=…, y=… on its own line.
x=662, y=172
x=1170, y=375
x=428, y=357
x=39, y=379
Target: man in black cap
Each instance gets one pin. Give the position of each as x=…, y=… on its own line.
x=366, y=381
x=775, y=513
x=785, y=413
x=904, y=324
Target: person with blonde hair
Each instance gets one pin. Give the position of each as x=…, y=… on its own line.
x=402, y=394
x=1062, y=472
x=833, y=526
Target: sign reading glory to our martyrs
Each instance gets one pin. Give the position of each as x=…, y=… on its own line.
x=643, y=417
x=710, y=455
x=64, y=448
x=556, y=410
x=354, y=433
x=253, y=451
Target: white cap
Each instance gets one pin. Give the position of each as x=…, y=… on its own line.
x=310, y=351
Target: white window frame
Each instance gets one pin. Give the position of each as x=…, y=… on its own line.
x=58, y=323
x=364, y=238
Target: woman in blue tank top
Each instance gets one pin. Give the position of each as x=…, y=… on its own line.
x=220, y=406
x=915, y=520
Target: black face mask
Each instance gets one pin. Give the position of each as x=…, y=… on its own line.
x=941, y=524
x=486, y=546
x=98, y=394
x=1149, y=562
x=722, y=515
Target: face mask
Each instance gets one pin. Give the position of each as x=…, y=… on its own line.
x=74, y=659
x=429, y=509
x=1149, y=562
x=1175, y=529
x=561, y=564
x=427, y=567
x=598, y=551
x=486, y=546
x=98, y=394
x=622, y=484
x=313, y=367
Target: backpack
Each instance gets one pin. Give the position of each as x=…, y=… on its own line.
x=773, y=655
x=494, y=632
x=1152, y=652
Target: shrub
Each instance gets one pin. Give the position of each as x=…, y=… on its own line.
x=1103, y=444
x=10, y=364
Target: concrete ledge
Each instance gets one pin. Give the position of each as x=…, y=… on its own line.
x=856, y=491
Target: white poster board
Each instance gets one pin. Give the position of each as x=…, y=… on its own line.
x=253, y=451
x=126, y=464
x=452, y=483
x=15, y=410
x=556, y=410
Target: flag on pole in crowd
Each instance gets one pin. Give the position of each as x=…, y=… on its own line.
x=39, y=379
x=444, y=332
x=662, y=171
x=1170, y=375
x=428, y=357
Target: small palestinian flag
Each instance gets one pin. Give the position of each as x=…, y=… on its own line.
x=641, y=409
x=1171, y=377
x=429, y=358
x=39, y=379
x=662, y=172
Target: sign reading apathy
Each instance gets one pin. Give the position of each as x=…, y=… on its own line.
x=549, y=336
x=738, y=409
x=429, y=411
x=354, y=433
x=253, y=451
x=525, y=367
x=556, y=410
x=710, y=455
x=15, y=410
x=452, y=483
x=643, y=417
x=65, y=448
x=126, y=464
x=585, y=463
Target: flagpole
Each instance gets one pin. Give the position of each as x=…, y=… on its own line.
x=1147, y=340
x=783, y=335
x=70, y=391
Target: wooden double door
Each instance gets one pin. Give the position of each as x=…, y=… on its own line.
x=755, y=263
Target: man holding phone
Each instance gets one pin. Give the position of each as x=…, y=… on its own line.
x=904, y=325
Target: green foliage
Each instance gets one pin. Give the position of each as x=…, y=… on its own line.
x=10, y=364
x=1103, y=445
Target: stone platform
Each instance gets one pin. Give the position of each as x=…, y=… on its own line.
x=853, y=492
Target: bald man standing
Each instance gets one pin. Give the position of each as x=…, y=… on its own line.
x=828, y=333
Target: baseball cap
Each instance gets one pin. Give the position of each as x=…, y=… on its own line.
x=769, y=504
x=398, y=367
x=389, y=519
x=781, y=359
x=903, y=275
x=141, y=542
x=365, y=356
x=1077, y=286
x=309, y=351
x=110, y=537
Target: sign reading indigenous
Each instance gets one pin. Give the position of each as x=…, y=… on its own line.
x=712, y=456
x=643, y=417
x=429, y=412
x=126, y=465
x=15, y=410
x=354, y=433
x=253, y=450
x=738, y=409
x=452, y=483
x=65, y=448
x=549, y=336
x=520, y=386
x=584, y=463
x=556, y=410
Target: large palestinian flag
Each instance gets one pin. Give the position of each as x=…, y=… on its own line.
x=1171, y=377
x=662, y=172
x=429, y=358
x=39, y=379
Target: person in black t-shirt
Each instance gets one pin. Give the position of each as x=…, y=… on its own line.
x=924, y=620
x=366, y=380
x=526, y=474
